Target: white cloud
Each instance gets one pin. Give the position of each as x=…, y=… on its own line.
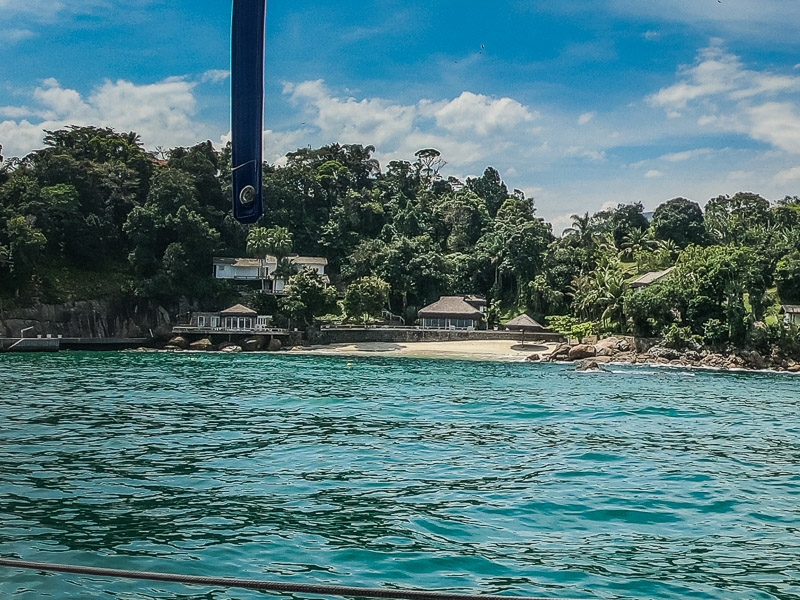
x=348, y=120
x=398, y=130
x=714, y=72
x=733, y=99
x=586, y=117
x=777, y=124
x=17, y=112
x=161, y=113
x=653, y=173
x=581, y=152
x=685, y=155
x=215, y=76
x=13, y=36
x=481, y=114
x=788, y=176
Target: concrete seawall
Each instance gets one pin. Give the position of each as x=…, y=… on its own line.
x=354, y=335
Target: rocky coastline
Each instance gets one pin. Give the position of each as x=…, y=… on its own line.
x=253, y=343
x=625, y=351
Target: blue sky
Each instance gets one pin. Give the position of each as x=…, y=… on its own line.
x=580, y=104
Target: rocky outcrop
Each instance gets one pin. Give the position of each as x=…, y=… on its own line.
x=253, y=344
x=203, y=344
x=103, y=318
x=232, y=348
x=581, y=351
x=630, y=350
x=178, y=342
x=589, y=364
x=274, y=345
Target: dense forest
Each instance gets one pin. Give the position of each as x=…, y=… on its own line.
x=93, y=213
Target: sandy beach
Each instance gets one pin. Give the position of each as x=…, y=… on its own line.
x=497, y=350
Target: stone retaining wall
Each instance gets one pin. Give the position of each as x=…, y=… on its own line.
x=377, y=334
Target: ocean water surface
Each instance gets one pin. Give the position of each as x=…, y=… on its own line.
x=523, y=479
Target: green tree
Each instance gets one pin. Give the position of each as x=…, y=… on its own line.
x=366, y=297
x=680, y=221
x=787, y=276
x=26, y=250
x=626, y=219
x=736, y=219
x=307, y=297
x=491, y=188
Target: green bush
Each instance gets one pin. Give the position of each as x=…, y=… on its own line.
x=681, y=338
x=715, y=332
x=571, y=327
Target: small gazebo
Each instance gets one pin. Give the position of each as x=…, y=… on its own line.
x=524, y=323
x=238, y=316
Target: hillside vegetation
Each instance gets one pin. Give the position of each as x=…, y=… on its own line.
x=93, y=213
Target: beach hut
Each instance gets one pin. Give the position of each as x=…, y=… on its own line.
x=452, y=312
x=238, y=317
x=524, y=323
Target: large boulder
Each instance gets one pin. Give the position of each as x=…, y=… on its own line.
x=607, y=347
x=253, y=344
x=589, y=364
x=581, y=351
x=533, y=357
x=753, y=359
x=226, y=344
x=204, y=344
x=560, y=352
x=179, y=342
x=663, y=352
x=232, y=348
x=274, y=345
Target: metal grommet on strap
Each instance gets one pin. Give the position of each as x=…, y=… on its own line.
x=247, y=195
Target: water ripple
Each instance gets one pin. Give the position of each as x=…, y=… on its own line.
x=464, y=476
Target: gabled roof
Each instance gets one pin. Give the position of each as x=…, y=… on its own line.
x=309, y=260
x=238, y=310
x=651, y=277
x=450, y=307
x=256, y=262
x=523, y=322
x=237, y=262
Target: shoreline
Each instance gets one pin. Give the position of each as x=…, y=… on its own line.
x=510, y=351
x=489, y=350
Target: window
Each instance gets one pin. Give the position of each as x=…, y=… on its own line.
x=201, y=321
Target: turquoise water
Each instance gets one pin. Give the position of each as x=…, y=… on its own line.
x=465, y=476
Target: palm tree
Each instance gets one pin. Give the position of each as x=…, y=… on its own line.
x=611, y=283
x=636, y=242
x=276, y=241
x=580, y=227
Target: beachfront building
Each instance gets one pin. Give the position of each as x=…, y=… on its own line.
x=264, y=270
x=454, y=312
x=649, y=279
x=791, y=314
x=236, y=319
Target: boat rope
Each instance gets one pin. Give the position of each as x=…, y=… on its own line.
x=252, y=584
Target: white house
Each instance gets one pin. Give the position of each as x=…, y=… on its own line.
x=791, y=314
x=256, y=269
x=236, y=319
x=241, y=269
